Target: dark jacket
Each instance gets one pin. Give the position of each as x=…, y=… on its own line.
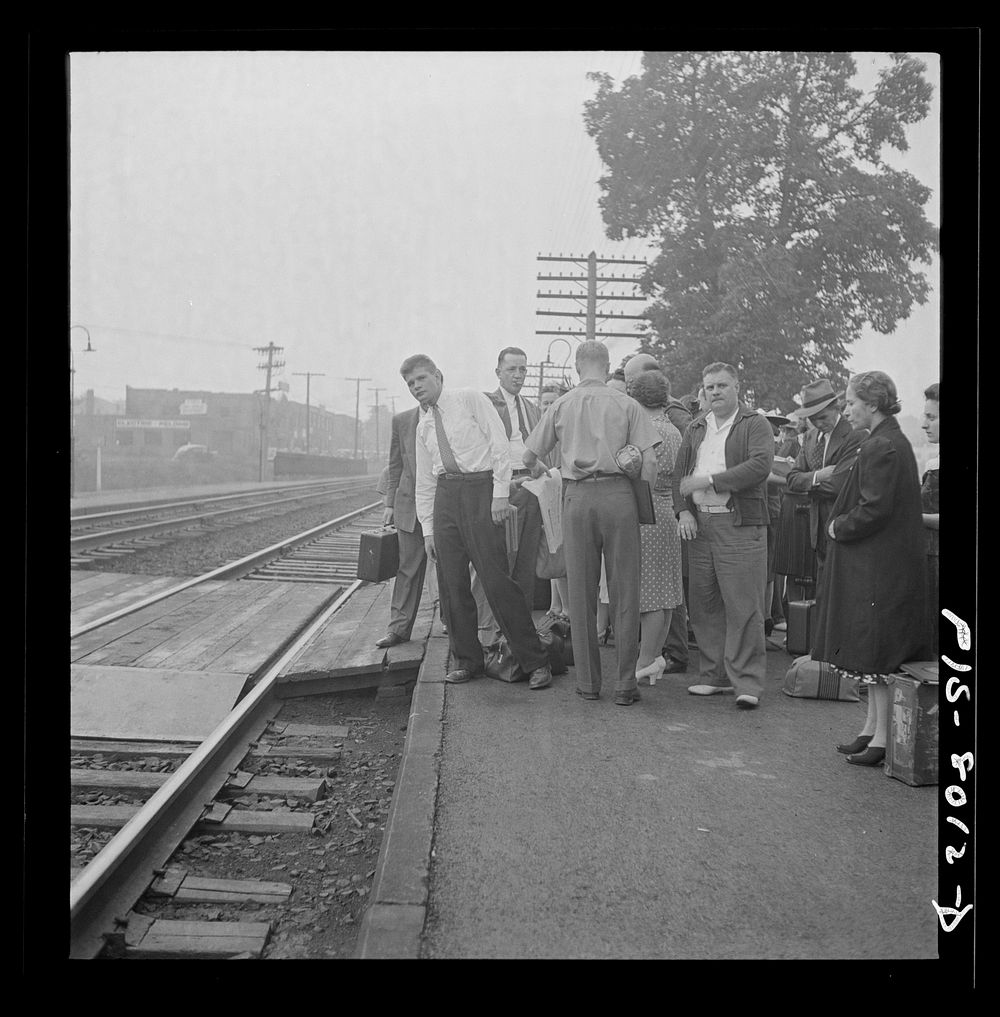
x=678, y=414
x=399, y=495
x=749, y=456
x=870, y=606
x=843, y=445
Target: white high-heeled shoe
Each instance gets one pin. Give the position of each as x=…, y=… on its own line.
x=652, y=671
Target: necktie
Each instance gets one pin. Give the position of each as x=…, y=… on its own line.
x=520, y=419
x=444, y=446
x=825, y=441
x=815, y=455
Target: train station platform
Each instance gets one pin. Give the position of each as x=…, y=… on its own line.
x=541, y=825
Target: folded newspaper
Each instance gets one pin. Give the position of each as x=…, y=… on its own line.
x=548, y=490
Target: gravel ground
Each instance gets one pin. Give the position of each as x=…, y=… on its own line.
x=331, y=869
x=191, y=556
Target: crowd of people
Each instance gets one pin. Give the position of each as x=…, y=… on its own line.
x=685, y=523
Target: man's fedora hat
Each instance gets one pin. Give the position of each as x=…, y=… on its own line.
x=816, y=396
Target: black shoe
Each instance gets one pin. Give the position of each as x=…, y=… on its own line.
x=627, y=698
x=390, y=639
x=587, y=695
x=541, y=678
x=859, y=743
x=675, y=666
x=459, y=676
x=870, y=757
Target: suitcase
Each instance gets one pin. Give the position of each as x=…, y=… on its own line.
x=911, y=754
x=800, y=619
x=816, y=679
x=378, y=555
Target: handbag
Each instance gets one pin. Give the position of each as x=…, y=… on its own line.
x=499, y=663
x=816, y=679
x=549, y=564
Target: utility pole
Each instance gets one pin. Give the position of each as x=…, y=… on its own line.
x=72, y=408
x=589, y=298
x=307, y=375
x=376, y=391
x=270, y=365
x=357, y=409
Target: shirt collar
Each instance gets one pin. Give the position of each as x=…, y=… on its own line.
x=718, y=426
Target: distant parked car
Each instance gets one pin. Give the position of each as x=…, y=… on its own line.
x=193, y=453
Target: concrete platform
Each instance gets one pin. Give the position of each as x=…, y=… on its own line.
x=678, y=828
x=132, y=703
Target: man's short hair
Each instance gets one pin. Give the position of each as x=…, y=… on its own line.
x=558, y=389
x=512, y=350
x=592, y=351
x=719, y=366
x=410, y=364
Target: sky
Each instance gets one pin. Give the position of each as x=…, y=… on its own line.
x=355, y=208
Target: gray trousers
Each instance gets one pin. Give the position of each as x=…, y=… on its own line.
x=600, y=518
x=727, y=571
x=409, y=582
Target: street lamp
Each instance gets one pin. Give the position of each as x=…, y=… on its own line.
x=72, y=408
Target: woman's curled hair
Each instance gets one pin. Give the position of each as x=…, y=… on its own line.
x=878, y=389
x=650, y=389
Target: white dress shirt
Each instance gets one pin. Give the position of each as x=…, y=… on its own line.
x=712, y=458
x=516, y=442
x=478, y=442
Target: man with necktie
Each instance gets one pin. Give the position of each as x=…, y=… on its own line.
x=826, y=456
x=462, y=499
x=518, y=416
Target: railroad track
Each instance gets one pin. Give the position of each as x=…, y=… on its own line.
x=118, y=532
x=161, y=792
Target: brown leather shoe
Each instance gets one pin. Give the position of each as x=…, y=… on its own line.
x=541, y=678
x=459, y=676
x=587, y=695
x=390, y=639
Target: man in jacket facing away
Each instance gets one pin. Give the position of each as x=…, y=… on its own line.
x=720, y=497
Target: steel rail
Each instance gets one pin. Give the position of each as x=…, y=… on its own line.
x=102, y=537
x=224, y=571
x=124, y=868
x=159, y=506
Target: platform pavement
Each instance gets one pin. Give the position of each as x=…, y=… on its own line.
x=680, y=827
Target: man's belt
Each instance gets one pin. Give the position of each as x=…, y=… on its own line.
x=596, y=476
x=714, y=508
x=479, y=475
x=520, y=473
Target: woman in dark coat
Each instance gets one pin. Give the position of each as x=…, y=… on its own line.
x=871, y=610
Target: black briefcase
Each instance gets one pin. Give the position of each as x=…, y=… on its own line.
x=800, y=623
x=378, y=556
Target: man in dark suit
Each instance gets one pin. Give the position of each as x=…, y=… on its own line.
x=401, y=511
x=823, y=461
x=519, y=417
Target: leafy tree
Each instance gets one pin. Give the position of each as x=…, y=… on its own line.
x=782, y=230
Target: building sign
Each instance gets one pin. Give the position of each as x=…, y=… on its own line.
x=126, y=423
x=193, y=407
